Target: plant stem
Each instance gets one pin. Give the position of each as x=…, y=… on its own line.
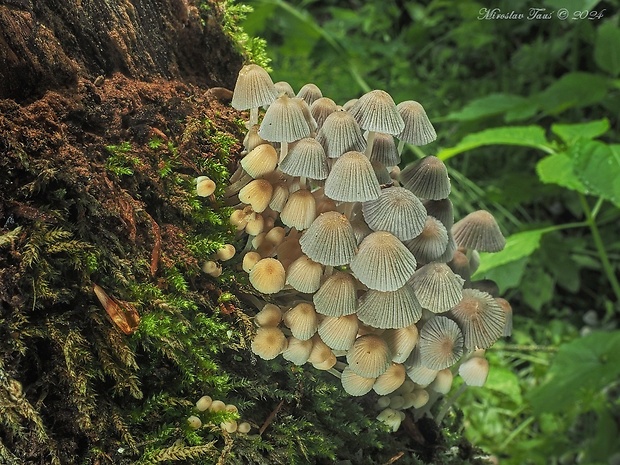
x=600, y=247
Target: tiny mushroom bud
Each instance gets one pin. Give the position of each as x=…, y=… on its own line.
x=217, y=406
x=204, y=186
x=226, y=253
x=204, y=403
x=244, y=427
x=194, y=422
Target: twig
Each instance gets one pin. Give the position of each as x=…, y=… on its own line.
x=271, y=416
x=395, y=458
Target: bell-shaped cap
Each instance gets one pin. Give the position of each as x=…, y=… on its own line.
x=391, y=309
x=283, y=87
x=442, y=210
x=427, y=178
x=306, y=158
x=384, y=150
x=474, y=371
x=352, y=179
x=507, y=308
x=337, y=296
x=443, y=381
x=401, y=342
x=260, y=161
x=257, y=194
x=418, y=373
x=441, y=343
x=480, y=317
x=268, y=343
x=479, y=231
x=460, y=265
x=302, y=320
x=339, y=134
x=254, y=88
x=304, y=275
x=437, y=288
x=354, y=384
x=270, y=315
x=297, y=351
x=376, y=111
x=268, y=276
x=369, y=357
x=397, y=211
x=339, y=333
x=284, y=121
x=309, y=92
x=390, y=380
x=300, y=210
x=321, y=108
x=329, y=240
x=418, y=129
x=431, y=243
x=382, y=262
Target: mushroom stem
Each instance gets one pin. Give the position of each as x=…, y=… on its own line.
x=401, y=146
x=369, y=143
x=446, y=406
x=236, y=186
x=348, y=209
x=335, y=372
x=340, y=365
x=283, y=150
x=253, y=117
x=302, y=182
x=328, y=271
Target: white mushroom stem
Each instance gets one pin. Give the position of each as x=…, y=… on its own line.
x=449, y=403
x=302, y=182
x=253, y=117
x=335, y=372
x=328, y=271
x=348, y=209
x=283, y=150
x=401, y=146
x=236, y=186
x=370, y=142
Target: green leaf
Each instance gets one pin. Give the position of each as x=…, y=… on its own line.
x=505, y=381
x=583, y=366
x=607, y=48
x=558, y=169
x=528, y=136
x=537, y=288
x=573, y=90
x=507, y=276
x=598, y=167
x=487, y=106
x=569, y=133
x=518, y=245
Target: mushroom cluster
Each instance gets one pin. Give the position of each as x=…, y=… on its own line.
x=210, y=406
x=367, y=273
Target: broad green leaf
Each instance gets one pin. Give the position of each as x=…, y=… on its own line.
x=558, y=169
x=605, y=441
x=528, y=136
x=571, y=132
x=508, y=275
x=505, y=381
x=581, y=367
x=487, y=106
x=537, y=288
x=518, y=245
x=573, y=90
x=598, y=167
x=607, y=48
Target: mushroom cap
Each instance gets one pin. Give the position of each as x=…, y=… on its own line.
x=431, y=243
x=376, y=111
x=390, y=380
x=283, y=87
x=204, y=403
x=437, y=288
x=329, y=240
x=297, y=351
x=337, y=296
x=321, y=108
x=205, y=186
x=309, y=92
x=284, y=121
x=260, y=161
x=381, y=172
x=306, y=158
x=302, y=320
x=474, y=371
x=382, y=262
x=300, y=210
x=507, y=308
x=391, y=309
x=384, y=150
x=270, y=315
x=320, y=351
x=354, y=384
x=369, y=357
x=401, y=342
x=417, y=372
x=252, y=140
x=442, y=210
x=257, y=194
x=427, y=178
x=418, y=129
x=443, y=381
x=339, y=333
x=398, y=211
x=441, y=343
x=279, y=197
x=352, y=179
x=254, y=88
x=249, y=260
x=480, y=317
x=479, y=231
x=460, y=265
x=304, y=275
x=268, y=343
x=339, y=134
x=268, y=276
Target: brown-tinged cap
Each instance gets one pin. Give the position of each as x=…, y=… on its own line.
x=354, y=384
x=437, y=288
x=441, y=343
x=479, y=231
x=337, y=296
x=329, y=240
x=376, y=111
x=418, y=129
x=302, y=320
x=427, y=178
x=474, y=371
x=268, y=343
x=339, y=333
x=268, y=276
x=369, y=357
x=352, y=179
x=480, y=317
x=310, y=92
x=390, y=380
x=304, y=275
x=300, y=210
x=431, y=243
